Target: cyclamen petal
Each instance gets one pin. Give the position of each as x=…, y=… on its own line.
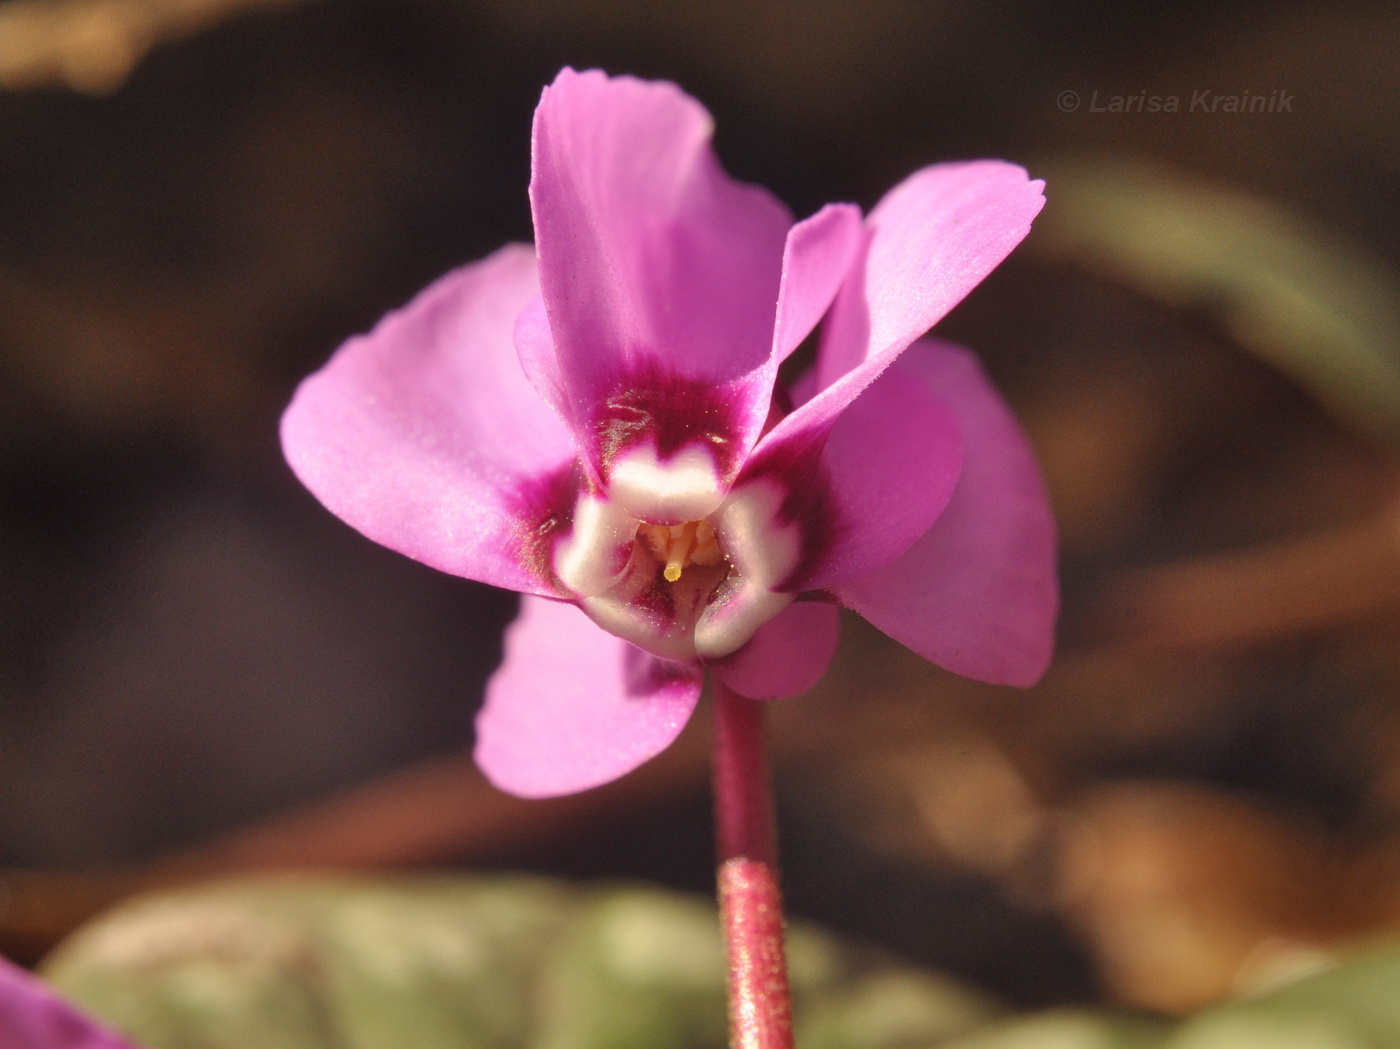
x=789, y=653
x=977, y=593
x=572, y=707
x=818, y=255
x=425, y=436
x=605, y=429
x=33, y=1016
x=932, y=240
x=873, y=483
x=659, y=271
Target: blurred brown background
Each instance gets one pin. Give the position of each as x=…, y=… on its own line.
x=199, y=200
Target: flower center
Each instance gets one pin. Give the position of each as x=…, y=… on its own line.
x=680, y=546
x=681, y=576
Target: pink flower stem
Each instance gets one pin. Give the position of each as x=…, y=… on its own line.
x=751, y=905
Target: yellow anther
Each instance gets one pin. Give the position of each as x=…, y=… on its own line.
x=679, y=546
x=682, y=539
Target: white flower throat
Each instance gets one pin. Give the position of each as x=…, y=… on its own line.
x=682, y=584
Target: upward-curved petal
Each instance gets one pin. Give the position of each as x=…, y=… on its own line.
x=425, y=435
x=933, y=238
x=818, y=255
x=660, y=273
x=977, y=594
x=929, y=242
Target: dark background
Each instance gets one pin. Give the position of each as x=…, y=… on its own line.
x=188, y=642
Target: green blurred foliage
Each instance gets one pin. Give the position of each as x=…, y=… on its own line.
x=1322, y=310
x=458, y=963
x=1355, y=1005
x=490, y=963
x=1069, y=1029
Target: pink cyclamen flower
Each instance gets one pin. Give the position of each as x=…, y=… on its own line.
x=596, y=423
x=33, y=1016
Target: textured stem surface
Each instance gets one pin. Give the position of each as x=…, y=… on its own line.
x=751, y=906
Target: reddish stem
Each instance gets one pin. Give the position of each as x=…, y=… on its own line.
x=751, y=905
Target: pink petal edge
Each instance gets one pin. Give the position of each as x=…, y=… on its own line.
x=573, y=707
x=789, y=653
x=931, y=240
x=425, y=436
x=977, y=594
x=816, y=259
x=875, y=483
x=33, y=1016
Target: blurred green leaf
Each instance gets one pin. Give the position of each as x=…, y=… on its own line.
x=491, y=963
x=896, y=1008
x=1317, y=308
x=432, y=963
x=1069, y=1029
x=1354, y=1006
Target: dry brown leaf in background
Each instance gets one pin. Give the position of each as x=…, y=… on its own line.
x=1191, y=895
x=93, y=45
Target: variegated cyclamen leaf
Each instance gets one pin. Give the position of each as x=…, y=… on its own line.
x=467, y=963
x=1352, y=1005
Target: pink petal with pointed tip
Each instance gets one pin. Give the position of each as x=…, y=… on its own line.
x=660, y=273
x=33, y=1016
x=789, y=653
x=977, y=594
x=573, y=707
x=426, y=436
x=933, y=238
x=930, y=241
x=873, y=486
x=819, y=252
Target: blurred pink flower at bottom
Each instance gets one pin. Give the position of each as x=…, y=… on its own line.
x=33, y=1016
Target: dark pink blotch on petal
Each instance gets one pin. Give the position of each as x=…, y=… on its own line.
x=977, y=594
x=426, y=436
x=573, y=707
x=33, y=1016
x=655, y=265
x=868, y=489
x=789, y=653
